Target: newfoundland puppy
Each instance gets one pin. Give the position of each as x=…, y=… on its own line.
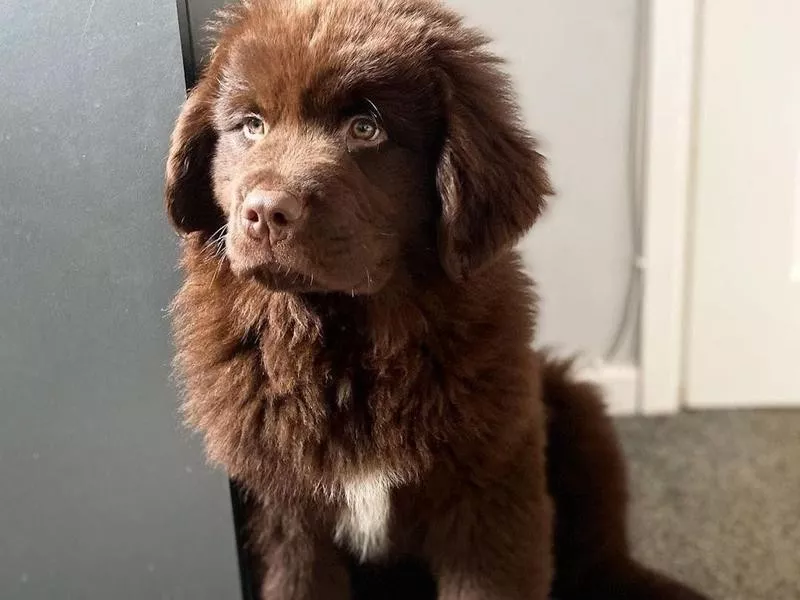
x=354, y=329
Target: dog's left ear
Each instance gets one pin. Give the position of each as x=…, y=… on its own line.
x=490, y=178
x=188, y=194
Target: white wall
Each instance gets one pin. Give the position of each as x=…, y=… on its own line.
x=573, y=63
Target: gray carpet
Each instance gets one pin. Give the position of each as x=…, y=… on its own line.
x=716, y=500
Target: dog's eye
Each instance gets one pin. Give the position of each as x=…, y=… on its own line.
x=254, y=128
x=364, y=131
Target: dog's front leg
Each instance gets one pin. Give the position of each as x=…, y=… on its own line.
x=494, y=542
x=291, y=559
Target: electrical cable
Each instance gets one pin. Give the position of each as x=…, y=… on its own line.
x=629, y=321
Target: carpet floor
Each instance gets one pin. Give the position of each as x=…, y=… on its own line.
x=716, y=500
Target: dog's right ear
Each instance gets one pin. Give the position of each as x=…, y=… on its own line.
x=189, y=195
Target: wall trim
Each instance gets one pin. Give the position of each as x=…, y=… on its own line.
x=619, y=384
x=668, y=166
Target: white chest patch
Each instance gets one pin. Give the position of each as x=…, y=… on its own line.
x=363, y=524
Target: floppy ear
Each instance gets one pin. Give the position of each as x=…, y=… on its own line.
x=189, y=194
x=490, y=178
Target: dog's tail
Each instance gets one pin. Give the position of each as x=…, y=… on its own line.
x=588, y=482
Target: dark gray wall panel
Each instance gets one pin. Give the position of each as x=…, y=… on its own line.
x=197, y=39
x=102, y=493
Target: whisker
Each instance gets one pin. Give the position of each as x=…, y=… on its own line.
x=217, y=235
x=216, y=272
x=374, y=109
x=220, y=249
x=216, y=244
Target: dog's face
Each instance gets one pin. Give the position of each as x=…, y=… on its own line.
x=335, y=144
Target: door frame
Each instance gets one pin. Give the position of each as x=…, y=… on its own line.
x=674, y=30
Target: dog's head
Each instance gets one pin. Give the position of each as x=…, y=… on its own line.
x=338, y=143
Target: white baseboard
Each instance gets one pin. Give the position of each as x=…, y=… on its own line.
x=619, y=384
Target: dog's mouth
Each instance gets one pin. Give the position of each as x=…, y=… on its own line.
x=289, y=269
x=278, y=277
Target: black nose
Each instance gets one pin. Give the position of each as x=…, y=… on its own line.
x=270, y=213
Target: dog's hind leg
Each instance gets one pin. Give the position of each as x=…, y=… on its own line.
x=587, y=480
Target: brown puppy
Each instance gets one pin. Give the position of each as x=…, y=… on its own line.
x=354, y=330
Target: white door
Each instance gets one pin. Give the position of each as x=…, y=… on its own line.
x=743, y=342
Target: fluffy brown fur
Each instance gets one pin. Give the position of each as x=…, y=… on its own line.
x=366, y=372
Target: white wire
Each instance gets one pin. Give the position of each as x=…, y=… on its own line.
x=629, y=321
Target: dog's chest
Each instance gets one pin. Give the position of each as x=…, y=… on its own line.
x=364, y=519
